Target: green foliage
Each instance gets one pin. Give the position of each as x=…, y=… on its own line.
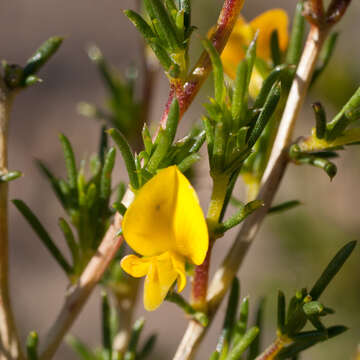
x=328, y=137
x=123, y=111
x=85, y=201
x=31, y=346
x=110, y=328
x=167, y=32
x=302, y=309
x=160, y=152
x=235, y=336
x=10, y=176
x=187, y=308
x=17, y=77
x=231, y=127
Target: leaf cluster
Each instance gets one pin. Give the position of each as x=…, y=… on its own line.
x=18, y=77
x=236, y=336
x=110, y=328
x=167, y=32
x=85, y=201
x=160, y=152
x=123, y=111
x=329, y=137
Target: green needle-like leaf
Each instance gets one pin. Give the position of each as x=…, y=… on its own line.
x=31, y=346
x=81, y=349
x=43, y=235
x=187, y=308
x=185, y=5
x=10, y=176
x=332, y=269
x=188, y=162
x=54, y=182
x=165, y=137
x=281, y=310
x=70, y=161
x=147, y=348
x=42, y=55
x=106, y=325
x=254, y=349
x=127, y=155
x=70, y=240
x=294, y=349
x=105, y=180
x=219, y=148
x=275, y=48
x=246, y=341
x=297, y=36
x=349, y=113
x=320, y=117
x=241, y=325
x=250, y=57
x=273, y=77
x=242, y=214
x=239, y=99
x=150, y=38
x=134, y=339
x=265, y=115
x=215, y=356
x=218, y=72
x=285, y=206
x=230, y=317
x=163, y=24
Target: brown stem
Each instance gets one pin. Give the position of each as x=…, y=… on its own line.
x=10, y=346
x=272, y=178
x=187, y=90
x=200, y=283
x=317, y=8
x=336, y=10
x=79, y=294
x=271, y=352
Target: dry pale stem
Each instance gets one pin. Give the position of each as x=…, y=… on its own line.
x=272, y=178
x=9, y=346
x=79, y=294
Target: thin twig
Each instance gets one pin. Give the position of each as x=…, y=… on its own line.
x=272, y=178
x=79, y=294
x=10, y=345
x=187, y=90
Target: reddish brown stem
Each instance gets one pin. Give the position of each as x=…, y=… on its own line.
x=336, y=10
x=186, y=91
x=200, y=283
x=318, y=8
x=272, y=350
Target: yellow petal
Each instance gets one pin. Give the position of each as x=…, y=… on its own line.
x=256, y=82
x=236, y=46
x=166, y=216
x=179, y=266
x=190, y=228
x=135, y=266
x=147, y=224
x=158, y=281
x=266, y=23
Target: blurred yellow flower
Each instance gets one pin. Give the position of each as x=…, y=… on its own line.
x=243, y=33
x=166, y=225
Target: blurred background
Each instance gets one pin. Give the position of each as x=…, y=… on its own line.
x=290, y=251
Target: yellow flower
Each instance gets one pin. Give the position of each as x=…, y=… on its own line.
x=243, y=33
x=166, y=225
